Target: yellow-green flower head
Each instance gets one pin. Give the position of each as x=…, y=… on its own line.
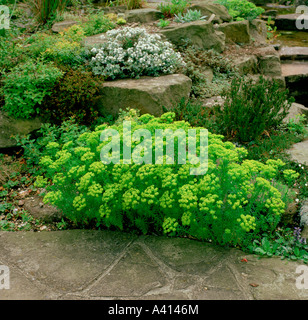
x=79, y=202
x=95, y=190
x=80, y=151
x=59, y=179
x=53, y=197
x=52, y=146
x=275, y=163
x=68, y=145
x=290, y=175
x=46, y=161
x=247, y=222
x=169, y=225
x=186, y=218
x=40, y=182
x=63, y=157
x=97, y=167
x=87, y=157
x=167, y=200
x=131, y=198
x=85, y=181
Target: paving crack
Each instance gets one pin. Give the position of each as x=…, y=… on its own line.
x=239, y=281
x=85, y=291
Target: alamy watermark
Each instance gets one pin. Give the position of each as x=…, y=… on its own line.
x=302, y=21
x=4, y=17
x=302, y=279
x=187, y=149
x=4, y=277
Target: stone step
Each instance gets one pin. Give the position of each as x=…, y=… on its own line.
x=293, y=53
x=288, y=21
x=292, y=68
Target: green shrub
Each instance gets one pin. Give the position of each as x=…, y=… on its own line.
x=73, y=96
x=252, y=108
x=25, y=87
x=233, y=203
x=241, y=9
x=169, y=9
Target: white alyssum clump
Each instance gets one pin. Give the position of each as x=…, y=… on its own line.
x=132, y=52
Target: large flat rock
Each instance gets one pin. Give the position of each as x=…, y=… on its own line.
x=293, y=68
x=63, y=25
x=209, y=8
x=293, y=53
x=148, y=94
x=236, y=31
x=270, y=65
x=299, y=152
x=144, y=15
x=296, y=108
x=200, y=34
x=10, y=127
x=93, y=264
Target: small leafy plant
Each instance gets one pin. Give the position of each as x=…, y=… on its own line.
x=130, y=4
x=98, y=23
x=271, y=30
x=162, y=23
x=286, y=243
x=298, y=125
x=189, y=16
x=198, y=62
x=169, y=9
x=73, y=96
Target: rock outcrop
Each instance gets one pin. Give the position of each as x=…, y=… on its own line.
x=148, y=94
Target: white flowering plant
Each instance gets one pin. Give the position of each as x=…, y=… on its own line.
x=132, y=52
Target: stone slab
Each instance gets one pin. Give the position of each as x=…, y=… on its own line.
x=108, y=265
x=293, y=53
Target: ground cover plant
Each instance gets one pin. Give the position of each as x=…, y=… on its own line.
x=62, y=49
x=38, y=75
